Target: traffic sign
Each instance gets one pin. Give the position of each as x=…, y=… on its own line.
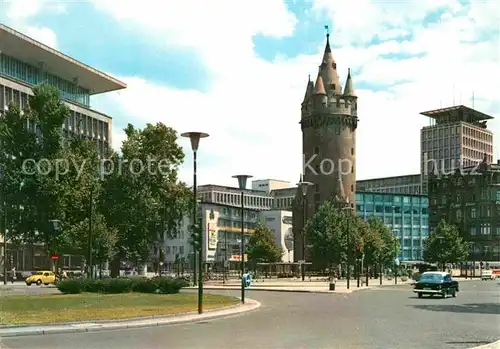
x=54, y=257
x=246, y=280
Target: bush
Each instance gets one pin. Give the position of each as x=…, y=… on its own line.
x=169, y=285
x=404, y=278
x=143, y=285
x=122, y=285
x=70, y=286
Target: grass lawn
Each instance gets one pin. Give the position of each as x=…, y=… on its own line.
x=53, y=308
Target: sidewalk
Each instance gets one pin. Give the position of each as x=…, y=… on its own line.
x=16, y=331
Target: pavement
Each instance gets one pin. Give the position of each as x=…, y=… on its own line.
x=383, y=317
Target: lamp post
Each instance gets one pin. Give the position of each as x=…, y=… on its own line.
x=55, y=225
x=303, y=186
x=3, y=226
x=349, y=250
x=195, y=137
x=242, y=184
x=472, y=265
x=396, y=260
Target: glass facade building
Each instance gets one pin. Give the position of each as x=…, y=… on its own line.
x=406, y=215
x=30, y=75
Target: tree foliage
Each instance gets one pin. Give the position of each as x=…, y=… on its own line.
x=333, y=235
x=126, y=201
x=262, y=247
x=445, y=245
x=385, y=247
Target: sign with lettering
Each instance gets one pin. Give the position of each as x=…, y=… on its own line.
x=212, y=236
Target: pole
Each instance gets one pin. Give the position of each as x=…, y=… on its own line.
x=242, y=257
x=90, y=274
x=303, y=266
x=225, y=258
x=200, y=242
x=195, y=214
x=380, y=267
x=3, y=225
x=395, y=265
x=358, y=271
x=348, y=253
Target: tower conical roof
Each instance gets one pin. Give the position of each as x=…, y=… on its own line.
x=309, y=89
x=349, y=87
x=328, y=69
x=319, y=88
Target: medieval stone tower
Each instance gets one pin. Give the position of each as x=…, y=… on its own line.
x=328, y=121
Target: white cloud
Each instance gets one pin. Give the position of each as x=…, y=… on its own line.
x=19, y=12
x=253, y=107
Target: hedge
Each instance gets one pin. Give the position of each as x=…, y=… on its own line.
x=166, y=285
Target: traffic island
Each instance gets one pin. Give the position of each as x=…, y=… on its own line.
x=64, y=308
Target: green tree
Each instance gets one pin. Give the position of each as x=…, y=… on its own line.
x=262, y=247
x=142, y=195
x=445, y=245
x=34, y=136
x=333, y=234
x=387, y=247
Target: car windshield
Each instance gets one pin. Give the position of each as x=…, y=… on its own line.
x=431, y=277
x=38, y=273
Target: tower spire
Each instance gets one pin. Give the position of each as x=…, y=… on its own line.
x=319, y=88
x=349, y=88
x=328, y=68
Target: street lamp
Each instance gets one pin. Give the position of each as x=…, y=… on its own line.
x=303, y=186
x=396, y=260
x=242, y=184
x=195, y=142
x=2, y=226
x=349, y=251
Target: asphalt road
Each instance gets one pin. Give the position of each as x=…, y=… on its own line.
x=391, y=317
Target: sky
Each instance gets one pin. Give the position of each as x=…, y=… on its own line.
x=238, y=70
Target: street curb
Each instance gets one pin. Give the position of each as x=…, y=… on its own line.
x=96, y=326
x=493, y=345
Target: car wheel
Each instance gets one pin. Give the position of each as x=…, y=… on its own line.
x=453, y=293
x=38, y=282
x=420, y=295
x=28, y=284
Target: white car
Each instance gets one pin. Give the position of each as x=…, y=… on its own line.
x=488, y=275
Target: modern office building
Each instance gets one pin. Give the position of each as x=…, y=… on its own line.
x=457, y=137
x=25, y=62
x=280, y=224
x=268, y=185
x=470, y=199
x=408, y=184
x=406, y=215
x=329, y=118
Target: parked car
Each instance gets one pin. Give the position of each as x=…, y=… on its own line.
x=488, y=275
x=41, y=277
x=436, y=283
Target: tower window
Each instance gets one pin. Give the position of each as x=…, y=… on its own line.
x=333, y=86
x=352, y=169
x=352, y=188
x=352, y=151
x=316, y=150
x=334, y=65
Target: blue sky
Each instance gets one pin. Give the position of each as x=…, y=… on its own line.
x=239, y=70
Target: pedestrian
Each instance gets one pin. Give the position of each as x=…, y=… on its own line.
x=13, y=274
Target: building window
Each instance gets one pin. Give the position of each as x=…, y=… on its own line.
x=352, y=151
x=316, y=150
x=352, y=188
x=459, y=215
x=473, y=212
